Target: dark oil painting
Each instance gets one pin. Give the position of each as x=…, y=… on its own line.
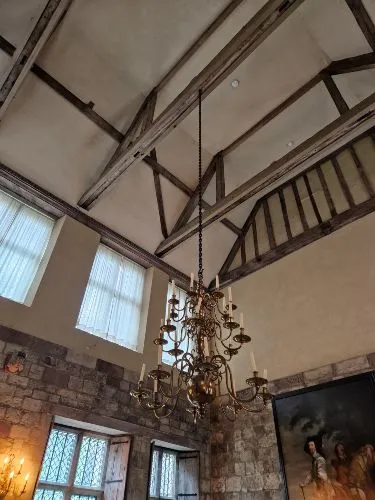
x=326, y=438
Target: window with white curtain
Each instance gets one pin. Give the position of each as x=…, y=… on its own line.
x=111, y=307
x=24, y=236
x=181, y=295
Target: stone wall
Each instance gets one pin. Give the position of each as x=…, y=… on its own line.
x=58, y=381
x=244, y=454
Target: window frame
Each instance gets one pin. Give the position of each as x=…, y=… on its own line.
x=69, y=489
x=162, y=450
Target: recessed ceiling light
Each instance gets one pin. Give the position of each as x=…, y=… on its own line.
x=235, y=83
x=290, y=144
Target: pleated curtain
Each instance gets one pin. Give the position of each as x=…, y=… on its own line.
x=112, y=303
x=181, y=295
x=24, y=236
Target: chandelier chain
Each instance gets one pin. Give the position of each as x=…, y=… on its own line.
x=200, y=194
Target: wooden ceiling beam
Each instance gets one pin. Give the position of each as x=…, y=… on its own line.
x=24, y=57
x=351, y=64
x=159, y=198
x=220, y=177
x=335, y=93
x=256, y=31
x=364, y=20
x=302, y=154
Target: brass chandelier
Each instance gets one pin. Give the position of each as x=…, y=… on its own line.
x=211, y=337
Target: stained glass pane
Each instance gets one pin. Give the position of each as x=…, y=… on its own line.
x=91, y=462
x=58, y=458
x=168, y=475
x=42, y=494
x=154, y=474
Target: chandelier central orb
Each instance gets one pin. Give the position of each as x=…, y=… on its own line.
x=205, y=337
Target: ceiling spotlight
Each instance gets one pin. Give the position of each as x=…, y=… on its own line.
x=235, y=83
x=290, y=144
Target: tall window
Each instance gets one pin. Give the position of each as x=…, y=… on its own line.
x=163, y=474
x=181, y=295
x=24, y=235
x=73, y=466
x=111, y=307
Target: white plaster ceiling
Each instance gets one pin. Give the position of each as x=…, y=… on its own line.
x=113, y=53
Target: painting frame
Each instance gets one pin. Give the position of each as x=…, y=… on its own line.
x=368, y=377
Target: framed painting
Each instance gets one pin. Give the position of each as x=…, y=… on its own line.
x=326, y=440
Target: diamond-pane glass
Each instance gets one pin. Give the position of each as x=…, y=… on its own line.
x=83, y=497
x=42, y=494
x=91, y=462
x=168, y=475
x=58, y=458
x=154, y=474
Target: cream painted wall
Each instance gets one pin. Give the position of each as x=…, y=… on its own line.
x=53, y=313
x=313, y=307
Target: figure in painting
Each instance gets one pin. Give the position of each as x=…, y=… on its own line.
x=318, y=476
x=341, y=465
x=361, y=471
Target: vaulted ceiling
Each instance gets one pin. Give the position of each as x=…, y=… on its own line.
x=103, y=60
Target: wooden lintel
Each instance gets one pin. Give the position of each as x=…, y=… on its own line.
x=364, y=20
x=24, y=57
x=299, y=241
x=254, y=32
x=303, y=154
x=51, y=204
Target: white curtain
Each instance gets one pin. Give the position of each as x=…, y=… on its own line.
x=111, y=307
x=181, y=295
x=24, y=235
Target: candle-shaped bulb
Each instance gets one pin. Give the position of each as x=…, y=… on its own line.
x=230, y=310
x=11, y=475
x=22, y=461
x=160, y=353
x=252, y=362
x=217, y=282
x=142, y=375
x=241, y=320
x=265, y=374
x=198, y=308
x=27, y=477
x=191, y=281
x=230, y=294
x=206, y=350
x=155, y=386
x=6, y=460
x=224, y=304
x=173, y=287
x=162, y=322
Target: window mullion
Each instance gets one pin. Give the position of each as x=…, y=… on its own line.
x=73, y=467
x=160, y=463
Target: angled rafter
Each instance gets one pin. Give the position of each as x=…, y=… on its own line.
x=220, y=177
x=336, y=95
x=318, y=143
x=230, y=57
x=193, y=202
x=364, y=21
x=87, y=110
x=24, y=58
x=351, y=64
x=318, y=228
x=159, y=199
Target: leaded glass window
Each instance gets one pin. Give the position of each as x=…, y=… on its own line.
x=163, y=474
x=74, y=462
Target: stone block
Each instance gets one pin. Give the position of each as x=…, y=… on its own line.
x=233, y=484
x=75, y=384
x=218, y=485
x=43, y=396
x=55, y=377
x=110, y=369
x=5, y=428
x=319, y=375
x=239, y=469
x=30, y=404
x=19, y=432
x=13, y=415
x=90, y=387
x=289, y=383
x=30, y=419
x=18, y=380
x=271, y=481
x=36, y=372
x=80, y=359
x=253, y=482
x=352, y=365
